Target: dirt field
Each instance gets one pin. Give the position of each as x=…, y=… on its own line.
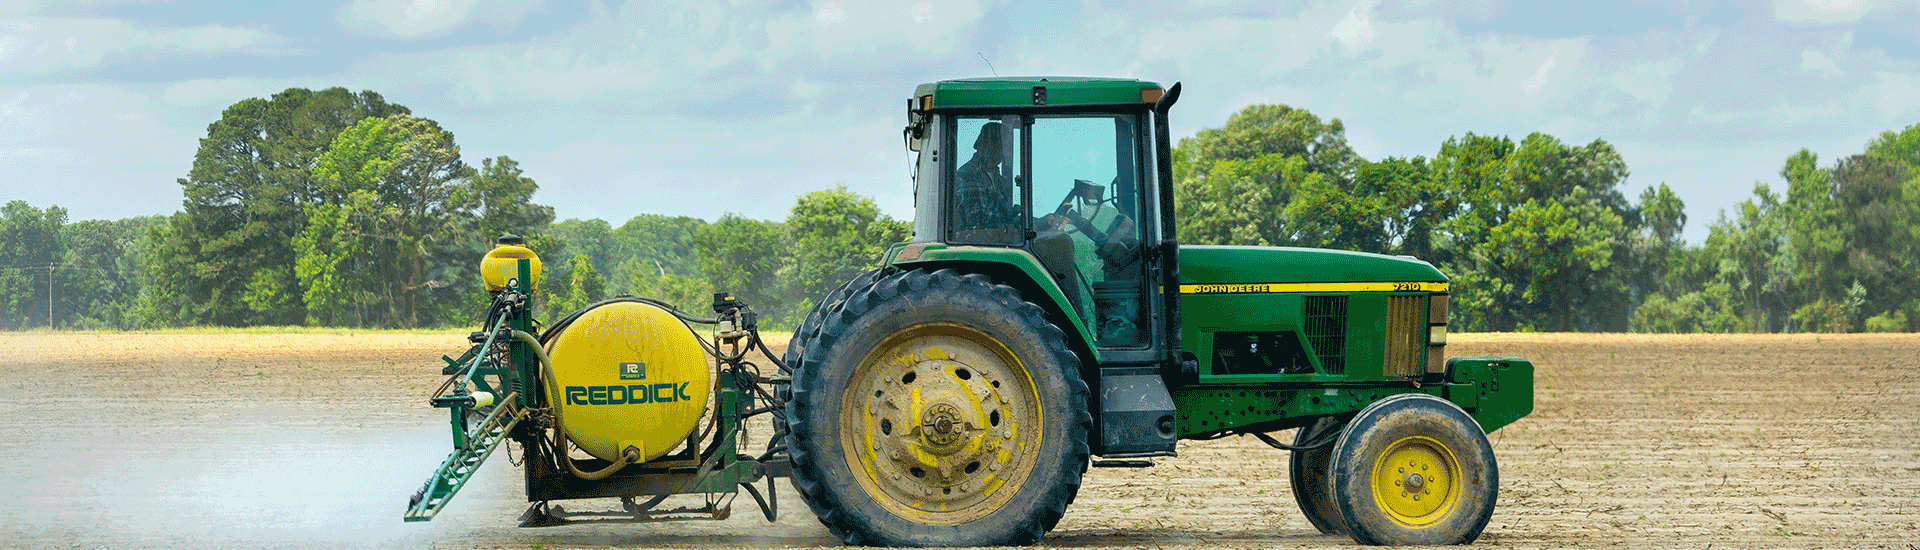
x=252, y=441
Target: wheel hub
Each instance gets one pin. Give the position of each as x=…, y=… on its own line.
x=942, y=426
x=1415, y=480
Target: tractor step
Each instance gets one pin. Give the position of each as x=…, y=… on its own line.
x=1140, y=463
x=465, y=461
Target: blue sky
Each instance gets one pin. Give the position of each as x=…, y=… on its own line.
x=703, y=107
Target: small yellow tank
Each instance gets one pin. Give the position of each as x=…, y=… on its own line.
x=628, y=374
x=499, y=266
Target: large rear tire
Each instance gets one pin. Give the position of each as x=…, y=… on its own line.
x=1311, y=480
x=796, y=352
x=936, y=409
x=810, y=325
x=1414, y=469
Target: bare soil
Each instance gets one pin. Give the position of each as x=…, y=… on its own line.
x=1636, y=441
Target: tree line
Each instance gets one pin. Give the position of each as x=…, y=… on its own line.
x=338, y=208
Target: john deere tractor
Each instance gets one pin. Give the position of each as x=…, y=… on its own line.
x=1043, y=319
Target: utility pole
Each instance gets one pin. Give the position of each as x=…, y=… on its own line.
x=49, y=296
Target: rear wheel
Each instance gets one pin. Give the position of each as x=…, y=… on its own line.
x=1414, y=469
x=803, y=336
x=935, y=409
x=1312, y=484
x=791, y=359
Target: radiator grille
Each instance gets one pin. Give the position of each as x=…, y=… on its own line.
x=1327, y=331
x=1406, y=323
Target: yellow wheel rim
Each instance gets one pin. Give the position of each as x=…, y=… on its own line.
x=940, y=424
x=1416, y=481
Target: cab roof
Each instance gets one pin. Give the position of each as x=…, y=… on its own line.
x=1027, y=91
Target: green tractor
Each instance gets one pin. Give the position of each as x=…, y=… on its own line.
x=1044, y=319
x=1044, y=313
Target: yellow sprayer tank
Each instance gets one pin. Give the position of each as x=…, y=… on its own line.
x=628, y=374
x=499, y=265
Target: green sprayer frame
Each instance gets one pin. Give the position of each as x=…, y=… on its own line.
x=508, y=352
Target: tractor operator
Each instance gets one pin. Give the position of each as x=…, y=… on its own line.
x=986, y=199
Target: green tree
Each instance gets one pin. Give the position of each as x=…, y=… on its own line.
x=1417, y=205
x=1234, y=184
x=662, y=261
x=30, y=249
x=659, y=245
x=743, y=256
x=1657, y=243
x=1873, y=216
x=1262, y=130
x=1558, y=253
x=104, y=258
x=590, y=237
x=1538, y=229
x=1757, y=260
x=337, y=256
x=394, y=204
x=245, y=200
x=1816, y=241
x=836, y=235
x=505, y=198
x=581, y=287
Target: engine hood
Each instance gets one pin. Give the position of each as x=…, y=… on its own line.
x=1280, y=264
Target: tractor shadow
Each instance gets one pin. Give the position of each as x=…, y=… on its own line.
x=685, y=540
x=1190, y=538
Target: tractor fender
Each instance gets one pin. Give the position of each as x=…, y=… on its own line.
x=1010, y=266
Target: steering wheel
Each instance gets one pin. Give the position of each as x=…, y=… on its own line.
x=1111, y=251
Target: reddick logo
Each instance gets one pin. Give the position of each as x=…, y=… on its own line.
x=633, y=371
x=665, y=392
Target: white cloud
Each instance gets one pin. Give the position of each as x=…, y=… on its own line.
x=552, y=74
x=1700, y=113
x=834, y=28
x=1892, y=95
x=101, y=151
x=410, y=19
x=1790, y=114
x=1813, y=61
x=217, y=91
x=1650, y=82
x=1356, y=31
x=54, y=44
x=1245, y=47
x=629, y=169
x=1821, y=11
x=1533, y=84
x=1505, y=77
x=67, y=6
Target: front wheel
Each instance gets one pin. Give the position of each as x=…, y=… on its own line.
x=1309, y=469
x=936, y=409
x=1414, y=469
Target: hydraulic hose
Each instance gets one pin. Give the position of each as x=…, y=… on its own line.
x=627, y=457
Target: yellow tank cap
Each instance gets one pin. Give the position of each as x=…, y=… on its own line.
x=500, y=265
x=628, y=374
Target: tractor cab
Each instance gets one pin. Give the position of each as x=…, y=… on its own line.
x=1057, y=187
x=1068, y=171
